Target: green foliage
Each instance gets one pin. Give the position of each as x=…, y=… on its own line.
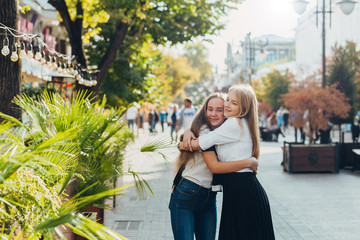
x=344, y=66
x=62, y=140
x=275, y=84
x=31, y=178
x=133, y=75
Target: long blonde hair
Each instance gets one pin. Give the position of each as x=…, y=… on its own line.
x=249, y=111
x=197, y=124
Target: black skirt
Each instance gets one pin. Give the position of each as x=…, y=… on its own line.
x=246, y=211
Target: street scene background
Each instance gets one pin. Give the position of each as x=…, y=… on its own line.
x=307, y=206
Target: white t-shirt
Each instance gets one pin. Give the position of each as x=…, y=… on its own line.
x=196, y=170
x=187, y=115
x=232, y=141
x=131, y=113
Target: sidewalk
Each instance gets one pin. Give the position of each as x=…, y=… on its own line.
x=304, y=206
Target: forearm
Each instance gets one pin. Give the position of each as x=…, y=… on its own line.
x=224, y=167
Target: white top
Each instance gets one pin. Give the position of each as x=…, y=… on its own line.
x=186, y=117
x=171, y=112
x=131, y=113
x=232, y=142
x=196, y=170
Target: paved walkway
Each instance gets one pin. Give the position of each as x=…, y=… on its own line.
x=304, y=206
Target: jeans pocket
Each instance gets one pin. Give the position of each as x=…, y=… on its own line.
x=185, y=195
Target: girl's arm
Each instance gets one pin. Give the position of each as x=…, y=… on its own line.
x=226, y=167
x=194, y=145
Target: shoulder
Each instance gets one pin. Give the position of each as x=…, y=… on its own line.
x=204, y=130
x=230, y=125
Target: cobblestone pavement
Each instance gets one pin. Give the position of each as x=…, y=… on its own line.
x=322, y=206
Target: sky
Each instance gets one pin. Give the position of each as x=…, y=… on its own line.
x=256, y=16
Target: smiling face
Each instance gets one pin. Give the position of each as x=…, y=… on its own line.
x=232, y=105
x=215, y=111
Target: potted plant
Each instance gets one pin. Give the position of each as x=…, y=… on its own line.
x=314, y=106
x=62, y=142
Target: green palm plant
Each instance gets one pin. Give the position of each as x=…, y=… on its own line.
x=32, y=176
x=61, y=140
x=101, y=137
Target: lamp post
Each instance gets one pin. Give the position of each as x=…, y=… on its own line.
x=347, y=6
x=250, y=53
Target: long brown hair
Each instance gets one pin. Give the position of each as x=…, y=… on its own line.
x=197, y=124
x=249, y=111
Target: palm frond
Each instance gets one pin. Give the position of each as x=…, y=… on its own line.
x=155, y=145
x=141, y=184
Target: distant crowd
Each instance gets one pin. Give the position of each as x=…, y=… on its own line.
x=171, y=117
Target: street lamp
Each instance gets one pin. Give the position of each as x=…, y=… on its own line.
x=250, y=52
x=347, y=6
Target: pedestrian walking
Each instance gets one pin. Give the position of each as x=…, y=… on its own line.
x=193, y=203
x=355, y=130
x=131, y=115
x=187, y=114
x=174, y=122
x=162, y=114
x=246, y=210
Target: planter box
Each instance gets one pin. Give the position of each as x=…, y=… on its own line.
x=310, y=158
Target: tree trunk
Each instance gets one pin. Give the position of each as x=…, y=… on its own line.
x=339, y=132
x=10, y=81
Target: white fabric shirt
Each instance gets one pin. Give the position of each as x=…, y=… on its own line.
x=196, y=170
x=187, y=115
x=232, y=141
x=131, y=113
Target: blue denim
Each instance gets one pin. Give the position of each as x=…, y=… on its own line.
x=193, y=212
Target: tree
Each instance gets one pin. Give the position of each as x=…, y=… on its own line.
x=275, y=84
x=344, y=65
x=10, y=71
x=179, y=72
x=318, y=104
x=163, y=21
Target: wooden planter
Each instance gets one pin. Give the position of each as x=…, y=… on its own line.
x=310, y=158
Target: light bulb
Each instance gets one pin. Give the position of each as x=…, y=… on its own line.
x=43, y=60
x=59, y=69
x=5, y=50
x=48, y=61
x=54, y=64
x=14, y=56
x=38, y=54
x=22, y=51
x=30, y=53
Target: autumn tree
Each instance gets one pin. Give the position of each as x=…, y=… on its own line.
x=345, y=62
x=134, y=21
x=275, y=84
x=10, y=71
x=317, y=104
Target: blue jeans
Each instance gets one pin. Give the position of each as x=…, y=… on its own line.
x=193, y=212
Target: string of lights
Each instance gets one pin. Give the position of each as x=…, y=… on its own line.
x=22, y=48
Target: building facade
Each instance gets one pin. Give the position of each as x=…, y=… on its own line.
x=256, y=57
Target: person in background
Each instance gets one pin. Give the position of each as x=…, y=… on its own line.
x=187, y=114
x=173, y=120
x=355, y=130
x=280, y=117
x=286, y=120
x=273, y=126
x=131, y=115
x=162, y=118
